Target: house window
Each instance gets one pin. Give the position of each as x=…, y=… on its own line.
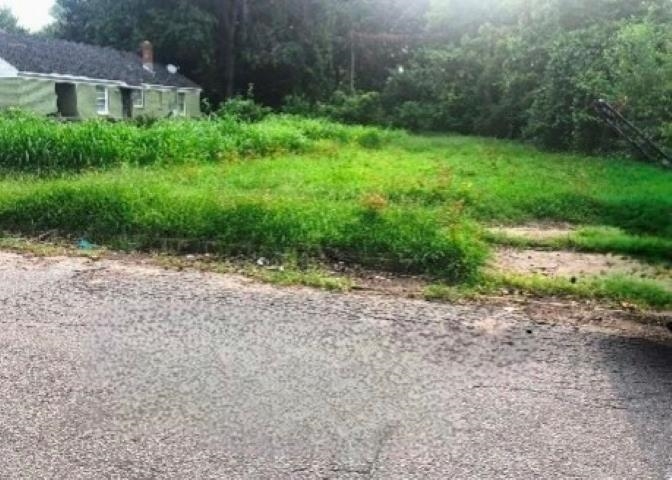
x=182, y=103
x=102, y=100
x=138, y=98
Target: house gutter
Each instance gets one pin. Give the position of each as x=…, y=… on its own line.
x=106, y=83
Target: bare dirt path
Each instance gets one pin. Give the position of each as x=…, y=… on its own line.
x=565, y=264
x=114, y=370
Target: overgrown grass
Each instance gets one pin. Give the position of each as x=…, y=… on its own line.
x=642, y=292
x=512, y=183
x=40, y=146
x=288, y=187
x=210, y=208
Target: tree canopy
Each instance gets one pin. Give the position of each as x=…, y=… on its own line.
x=9, y=22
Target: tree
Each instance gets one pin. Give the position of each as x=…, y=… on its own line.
x=9, y=22
x=282, y=46
x=182, y=32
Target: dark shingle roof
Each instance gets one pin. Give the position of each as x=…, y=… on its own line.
x=49, y=56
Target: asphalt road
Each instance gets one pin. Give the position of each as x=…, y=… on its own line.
x=113, y=371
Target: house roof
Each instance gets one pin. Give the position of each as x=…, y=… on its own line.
x=46, y=56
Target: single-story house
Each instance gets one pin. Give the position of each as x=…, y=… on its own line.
x=72, y=80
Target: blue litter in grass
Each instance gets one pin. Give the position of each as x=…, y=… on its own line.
x=86, y=245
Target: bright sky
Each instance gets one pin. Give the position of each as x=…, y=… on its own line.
x=32, y=14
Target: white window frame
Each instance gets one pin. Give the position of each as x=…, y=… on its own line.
x=106, y=90
x=141, y=104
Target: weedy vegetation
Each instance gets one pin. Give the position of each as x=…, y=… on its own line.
x=42, y=147
x=318, y=191
x=639, y=292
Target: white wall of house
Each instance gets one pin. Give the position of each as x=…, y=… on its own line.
x=7, y=70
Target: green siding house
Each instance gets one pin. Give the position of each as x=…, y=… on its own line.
x=72, y=80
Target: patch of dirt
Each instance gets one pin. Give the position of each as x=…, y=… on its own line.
x=368, y=280
x=537, y=232
x=589, y=314
x=561, y=264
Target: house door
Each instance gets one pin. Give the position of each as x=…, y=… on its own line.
x=127, y=102
x=66, y=100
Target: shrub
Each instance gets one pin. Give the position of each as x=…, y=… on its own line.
x=370, y=139
x=243, y=109
x=418, y=116
x=357, y=108
x=299, y=105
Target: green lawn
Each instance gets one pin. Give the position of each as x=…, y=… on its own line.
x=512, y=183
x=403, y=203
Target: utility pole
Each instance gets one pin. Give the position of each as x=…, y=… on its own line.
x=353, y=62
x=527, y=12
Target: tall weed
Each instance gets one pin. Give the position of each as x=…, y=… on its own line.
x=32, y=144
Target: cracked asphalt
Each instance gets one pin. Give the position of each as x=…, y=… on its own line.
x=117, y=371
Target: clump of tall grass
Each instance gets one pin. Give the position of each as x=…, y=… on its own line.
x=147, y=215
x=32, y=144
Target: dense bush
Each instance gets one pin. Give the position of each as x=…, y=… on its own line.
x=32, y=144
x=244, y=109
x=516, y=82
x=528, y=73
x=351, y=108
x=364, y=108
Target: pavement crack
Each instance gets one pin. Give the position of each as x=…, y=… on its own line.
x=364, y=470
x=384, y=437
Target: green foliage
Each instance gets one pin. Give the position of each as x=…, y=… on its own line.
x=642, y=292
x=533, y=73
x=299, y=105
x=129, y=208
x=433, y=93
x=243, y=109
x=419, y=117
x=516, y=80
x=29, y=143
x=408, y=205
x=560, y=117
x=358, y=108
x=505, y=182
x=614, y=240
x=9, y=22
